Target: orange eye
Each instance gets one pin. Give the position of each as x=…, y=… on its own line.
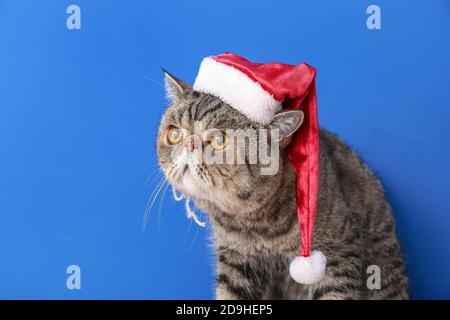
x=175, y=135
x=219, y=141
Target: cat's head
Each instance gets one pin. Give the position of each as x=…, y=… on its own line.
x=216, y=155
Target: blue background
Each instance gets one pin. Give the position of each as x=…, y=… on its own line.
x=79, y=111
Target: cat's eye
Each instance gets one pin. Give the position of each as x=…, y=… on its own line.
x=175, y=135
x=219, y=141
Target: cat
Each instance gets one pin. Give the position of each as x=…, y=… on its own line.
x=253, y=216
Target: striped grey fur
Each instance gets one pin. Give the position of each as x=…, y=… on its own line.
x=254, y=219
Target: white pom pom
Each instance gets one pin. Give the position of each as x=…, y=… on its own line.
x=308, y=270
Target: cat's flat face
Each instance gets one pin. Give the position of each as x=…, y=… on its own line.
x=195, y=147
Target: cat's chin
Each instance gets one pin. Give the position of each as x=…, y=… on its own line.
x=192, y=187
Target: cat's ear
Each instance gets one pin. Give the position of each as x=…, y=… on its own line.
x=175, y=88
x=287, y=122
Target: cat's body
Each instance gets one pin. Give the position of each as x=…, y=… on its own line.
x=254, y=219
x=354, y=228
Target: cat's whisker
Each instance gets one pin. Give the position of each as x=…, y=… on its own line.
x=188, y=229
x=156, y=172
x=153, y=192
x=148, y=213
x=191, y=214
x=158, y=178
x=195, y=238
x=161, y=201
x=155, y=81
x=176, y=196
x=158, y=83
x=152, y=199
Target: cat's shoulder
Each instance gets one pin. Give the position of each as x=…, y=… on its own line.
x=336, y=149
x=333, y=141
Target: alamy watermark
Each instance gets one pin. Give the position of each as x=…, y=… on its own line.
x=73, y=281
x=373, y=21
x=374, y=280
x=250, y=146
x=73, y=21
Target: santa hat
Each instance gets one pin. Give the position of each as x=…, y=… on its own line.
x=259, y=91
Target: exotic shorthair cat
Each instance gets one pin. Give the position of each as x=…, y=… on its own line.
x=253, y=216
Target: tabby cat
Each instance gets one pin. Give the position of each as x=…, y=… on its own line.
x=253, y=216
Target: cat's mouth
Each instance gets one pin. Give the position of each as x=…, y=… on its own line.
x=190, y=184
x=185, y=178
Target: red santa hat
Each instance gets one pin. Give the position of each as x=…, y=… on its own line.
x=259, y=91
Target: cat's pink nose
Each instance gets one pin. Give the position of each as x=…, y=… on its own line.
x=191, y=144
